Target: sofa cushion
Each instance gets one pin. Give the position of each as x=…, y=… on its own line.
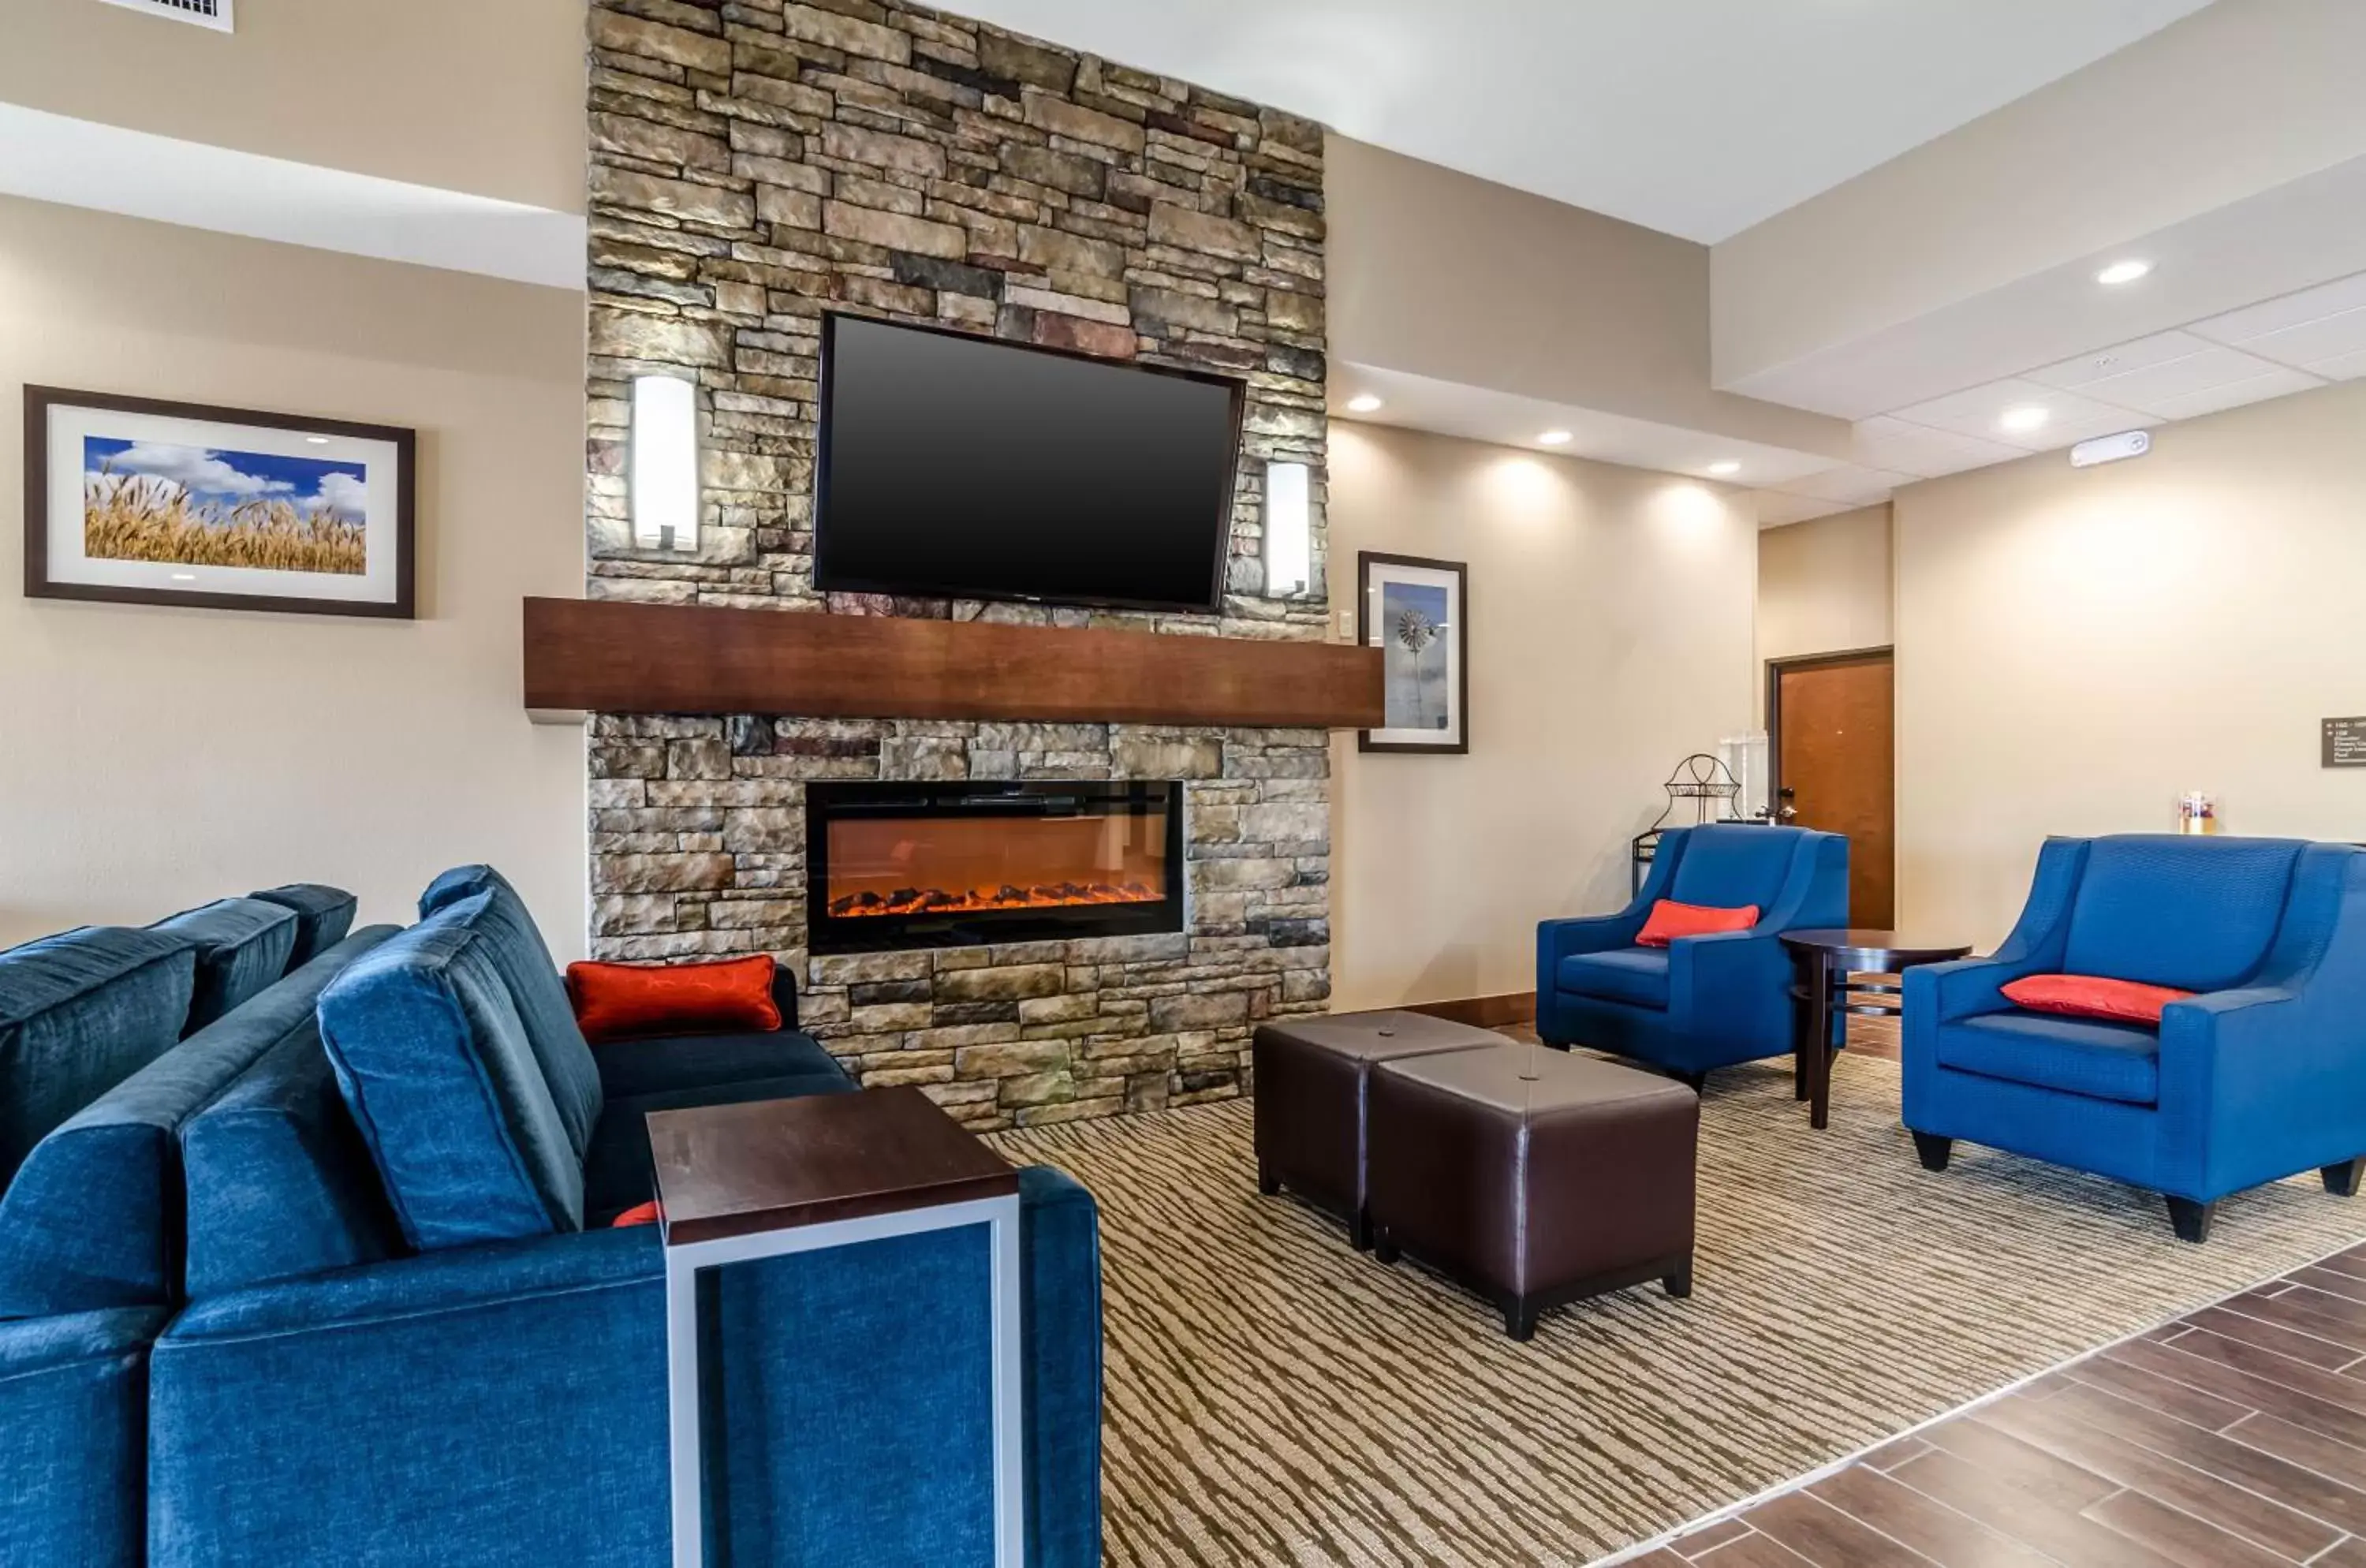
x=279, y=1181
x=446, y=1087
x=2092, y=996
x=243, y=945
x=618, y=1002
x=323, y=916
x=618, y=1176
x=1671, y=920
x=79, y=1013
x=2194, y=913
x=659, y=1065
x=1633, y=975
x=1728, y=866
x=2101, y=1061
x=535, y=990
x=94, y=1219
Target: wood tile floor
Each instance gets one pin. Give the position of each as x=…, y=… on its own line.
x=2234, y=1437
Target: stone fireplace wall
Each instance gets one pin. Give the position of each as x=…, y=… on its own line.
x=756, y=164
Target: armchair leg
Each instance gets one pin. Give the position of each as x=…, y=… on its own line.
x=2341, y=1181
x=2190, y=1220
x=1933, y=1150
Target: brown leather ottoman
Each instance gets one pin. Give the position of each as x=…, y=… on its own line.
x=1533, y=1193
x=1311, y=1073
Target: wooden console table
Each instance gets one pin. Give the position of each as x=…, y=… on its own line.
x=740, y=1183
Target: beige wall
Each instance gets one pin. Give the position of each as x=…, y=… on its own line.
x=155, y=758
x=1823, y=587
x=478, y=95
x=1610, y=635
x=2076, y=648
x=1440, y=274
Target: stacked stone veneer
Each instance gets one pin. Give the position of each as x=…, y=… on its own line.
x=756, y=164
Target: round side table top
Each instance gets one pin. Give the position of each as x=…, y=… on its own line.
x=1873, y=950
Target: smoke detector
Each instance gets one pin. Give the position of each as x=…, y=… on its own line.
x=214, y=13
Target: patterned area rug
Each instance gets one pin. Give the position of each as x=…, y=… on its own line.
x=1274, y=1397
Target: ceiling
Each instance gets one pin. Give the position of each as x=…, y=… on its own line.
x=1697, y=118
x=2300, y=341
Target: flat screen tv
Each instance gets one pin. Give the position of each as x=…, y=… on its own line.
x=961, y=466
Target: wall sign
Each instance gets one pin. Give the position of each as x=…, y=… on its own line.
x=2345, y=742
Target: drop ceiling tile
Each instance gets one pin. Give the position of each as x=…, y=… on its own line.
x=2154, y=388
x=2328, y=337
x=2162, y=348
x=1890, y=444
x=2276, y=383
x=1849, y=484
x=2291, y=310
x=2347, y=367
x=1776, y=509
x=1977, y=412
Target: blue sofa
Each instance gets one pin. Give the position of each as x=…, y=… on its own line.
x=413, y=1341
x=95, y=1081
x=2261, y=1075
x=1701, y=1001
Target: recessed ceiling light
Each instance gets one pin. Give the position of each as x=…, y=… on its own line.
x=2028, y=417
x=2120, y=272
x=1363, y=403
x=318, y=440
x=1553, y=438
x=1721, y=471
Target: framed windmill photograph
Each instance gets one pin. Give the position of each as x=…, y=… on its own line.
x=1414, y=611
x=138, y=501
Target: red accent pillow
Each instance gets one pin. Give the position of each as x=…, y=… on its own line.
x=616, y=1001
x=1671, y=920
x=2091, y=996
x=644, y=1214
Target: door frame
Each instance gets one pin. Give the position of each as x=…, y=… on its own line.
x=1776, y=670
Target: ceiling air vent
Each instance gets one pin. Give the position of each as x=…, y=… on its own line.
x=212, y=14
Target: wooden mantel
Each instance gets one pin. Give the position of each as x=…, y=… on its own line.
x=615, y=656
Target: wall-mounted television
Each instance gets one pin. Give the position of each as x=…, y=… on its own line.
x=964, y=467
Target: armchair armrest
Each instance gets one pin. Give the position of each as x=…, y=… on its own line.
x=73, y=1435
x=2269, y=1079
x=507, y=1401
x=1557, y=940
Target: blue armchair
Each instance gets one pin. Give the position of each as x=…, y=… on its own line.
x=1701, y=1001
x=2259, y=1076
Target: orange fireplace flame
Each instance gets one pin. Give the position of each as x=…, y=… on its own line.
x=940, y=901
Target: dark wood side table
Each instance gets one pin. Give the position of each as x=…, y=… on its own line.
x=740, y=1183
x=1825, y=960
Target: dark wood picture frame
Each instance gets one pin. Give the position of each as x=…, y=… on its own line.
x=40, y=400
x=1459, y=627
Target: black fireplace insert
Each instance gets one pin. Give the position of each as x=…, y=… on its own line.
x=903, y=865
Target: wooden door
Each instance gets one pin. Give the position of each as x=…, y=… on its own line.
x=1832, y=721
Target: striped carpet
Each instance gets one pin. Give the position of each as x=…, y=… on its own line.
x=1274, y=1397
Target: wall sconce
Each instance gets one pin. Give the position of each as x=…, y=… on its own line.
x=1288, y=531
x=665, y=463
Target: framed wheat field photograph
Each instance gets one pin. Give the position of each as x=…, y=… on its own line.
x=137, y=501
x=1414, y=611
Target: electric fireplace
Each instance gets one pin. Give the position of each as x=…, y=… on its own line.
x=900, y=865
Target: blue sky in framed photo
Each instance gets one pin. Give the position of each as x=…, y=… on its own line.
x=227, y=479
x=1414, y=632
x=214, y=506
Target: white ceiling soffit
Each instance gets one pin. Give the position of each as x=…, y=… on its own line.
x=1698, y=117
x=2280, y=241
x=76, y=162
x=1506, y=419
